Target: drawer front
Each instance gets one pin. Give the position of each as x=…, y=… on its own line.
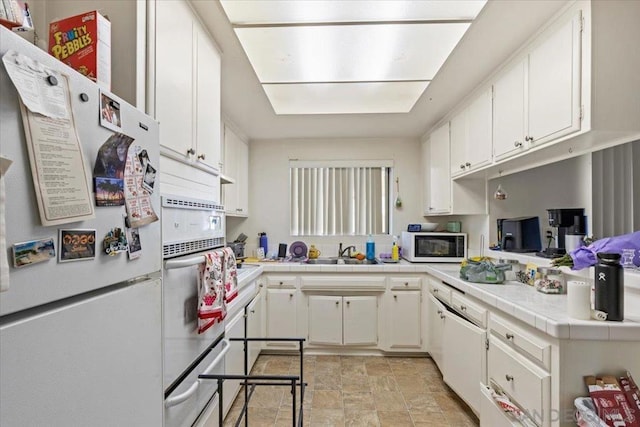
x=521, y=340
x=472, y=310
x=528, y=385
x=491, y=415
x=440, y=291
x=281, y=282
x=399, y=283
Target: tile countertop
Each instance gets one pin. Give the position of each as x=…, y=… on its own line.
x=547, y=313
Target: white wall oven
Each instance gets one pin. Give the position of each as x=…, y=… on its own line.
x=190, y=228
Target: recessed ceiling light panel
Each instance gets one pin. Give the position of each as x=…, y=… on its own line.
x=344, y=98
x=251, y=12
x=385, y=52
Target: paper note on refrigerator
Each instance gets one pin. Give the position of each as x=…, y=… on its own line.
x=57, y=166
x=41, y=89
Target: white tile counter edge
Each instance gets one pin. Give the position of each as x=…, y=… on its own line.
x=547, y=313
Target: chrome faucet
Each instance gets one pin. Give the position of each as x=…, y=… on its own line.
x=347, y=250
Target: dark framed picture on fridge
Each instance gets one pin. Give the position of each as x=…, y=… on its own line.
x=76, y=245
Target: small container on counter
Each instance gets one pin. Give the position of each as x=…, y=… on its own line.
x=512, y=273
x=550, y=281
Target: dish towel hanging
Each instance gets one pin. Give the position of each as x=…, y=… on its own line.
x=230, y=274
x=211, y=305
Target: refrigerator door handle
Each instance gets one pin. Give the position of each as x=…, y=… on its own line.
x=184, y=262
x=176, y=400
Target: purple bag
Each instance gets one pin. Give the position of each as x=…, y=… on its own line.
x=585, y=256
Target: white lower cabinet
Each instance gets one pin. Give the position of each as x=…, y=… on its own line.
x=255, y=327
x=464, y=347
x=436, y=320
x=343, y=320
x=405, y=309
x=234, y=360
x=281, y=317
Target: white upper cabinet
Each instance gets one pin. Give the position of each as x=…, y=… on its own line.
x=471, y=136
x=509, y=113
x=208, y=69
x=538, y=100
x=554, y=84
x=174, y=76
x=236, y=166
x=187, y=87
x=437, y=181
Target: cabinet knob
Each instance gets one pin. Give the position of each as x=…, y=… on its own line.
x=406, y=283
x=439, y=311
x=395, y=297
x=442, y=316
x=201, y=156
x=337, y=303
x=252, y=311
x=468, y=164
x=463, y=307
x=461, y=166
x=239, y=209
x=509, y=377
x=348, y=302
x=509, y=336
x=435, y=291
x=191, y=151
x=290, y=295
x=281, y=283
x=528, y=138
x=517, y=144
x=261, y=285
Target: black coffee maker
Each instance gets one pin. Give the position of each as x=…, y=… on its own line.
x=567, y=221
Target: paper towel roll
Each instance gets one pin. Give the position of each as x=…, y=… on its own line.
x=579, y=299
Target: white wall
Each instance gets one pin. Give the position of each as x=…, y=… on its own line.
x=566, y=184
x=269, y=188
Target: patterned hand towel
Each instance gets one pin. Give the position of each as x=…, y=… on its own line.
x=211, y=306
x=230, y=274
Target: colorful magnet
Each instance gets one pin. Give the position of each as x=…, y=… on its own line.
x=76, y=245
x=33, y=251
x=115, y=242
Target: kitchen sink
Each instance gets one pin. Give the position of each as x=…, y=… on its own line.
x=336, y=260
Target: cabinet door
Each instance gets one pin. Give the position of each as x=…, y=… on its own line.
x=254, y=328
x=236, y=166
x=234, y=360
x=509, y=112
x=207, y=100
x=281, y=316
x=242, y=178
x=435, y=323
x=479, y=133
x=405, y=322
x=360, y=320
x=439, y=176
x=325, y=320
x=554, y=84
x=174, y=75
x=459, y=143
x=465, y=357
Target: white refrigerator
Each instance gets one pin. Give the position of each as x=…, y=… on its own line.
x=80, y=341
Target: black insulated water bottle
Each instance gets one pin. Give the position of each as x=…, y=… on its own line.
x=609, y=284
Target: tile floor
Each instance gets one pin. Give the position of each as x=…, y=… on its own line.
x=356, y=391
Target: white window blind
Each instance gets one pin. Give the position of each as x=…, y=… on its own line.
x=339, y=199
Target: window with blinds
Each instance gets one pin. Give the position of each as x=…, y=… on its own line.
x=339, y=198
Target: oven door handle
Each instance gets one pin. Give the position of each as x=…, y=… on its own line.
x=176, y=400
x=184, y=262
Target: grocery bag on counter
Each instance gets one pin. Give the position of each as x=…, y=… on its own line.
x=483, y=270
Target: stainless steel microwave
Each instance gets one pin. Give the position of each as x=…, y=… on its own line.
x=434, y=247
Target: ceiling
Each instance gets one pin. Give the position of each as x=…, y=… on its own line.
x=500, y=28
